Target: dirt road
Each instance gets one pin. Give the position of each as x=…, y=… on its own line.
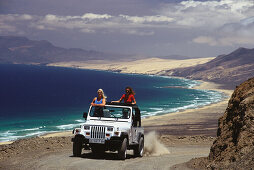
x=65, y=160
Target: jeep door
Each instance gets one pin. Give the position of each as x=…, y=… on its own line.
x=134, y=128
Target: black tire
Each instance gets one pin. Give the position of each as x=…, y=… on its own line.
x=139, y=149
x=122, y=151
x=77, y=146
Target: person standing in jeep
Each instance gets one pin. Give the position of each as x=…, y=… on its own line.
x=128, y=97
x=98, y=102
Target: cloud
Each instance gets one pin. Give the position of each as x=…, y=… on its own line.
x=92, y=16
x=186, y=14
x=15, y=17
x=148, y=19
x=205, y=40
x=236, y=40
x=240, y=33
x=210, y=14
x=139, y=32
x=4, y=27
x=89, y=22
x=184, y=24
x=225, y=41
x=221, y=23
x=85, y=30
x=25, y=17
x=230, y=39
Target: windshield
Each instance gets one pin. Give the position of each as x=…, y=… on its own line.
x=110, y=112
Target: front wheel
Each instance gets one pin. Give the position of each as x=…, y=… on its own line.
x=123, y=150
x=139, y=149
x=77, y=146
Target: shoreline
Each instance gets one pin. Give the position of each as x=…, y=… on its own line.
x=203, y=86
x=153, y=72
x=147, y=120
x=186, y=134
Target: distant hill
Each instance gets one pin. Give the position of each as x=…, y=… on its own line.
x=22, y=50
x=176, y=57
x=231, y=69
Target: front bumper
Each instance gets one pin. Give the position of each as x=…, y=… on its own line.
x=112, y=144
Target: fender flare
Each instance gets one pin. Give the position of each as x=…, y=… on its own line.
x=124, y=135
x=78, y=136
x=140, y=135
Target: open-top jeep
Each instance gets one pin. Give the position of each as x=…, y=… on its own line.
x=114, y=127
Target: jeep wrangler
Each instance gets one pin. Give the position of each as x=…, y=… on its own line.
x=114, y=127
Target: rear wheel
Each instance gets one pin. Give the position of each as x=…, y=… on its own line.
x=123, y=150
x=139, y=149
x=77, y=146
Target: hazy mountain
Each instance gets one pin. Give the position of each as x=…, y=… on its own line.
x=176, y=57
x=22, y=50
x=231, y=69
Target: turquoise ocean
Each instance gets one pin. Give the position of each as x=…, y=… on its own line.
x=35, y=100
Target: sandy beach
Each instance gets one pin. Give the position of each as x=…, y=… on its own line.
x=185, y=134
x=143, y=66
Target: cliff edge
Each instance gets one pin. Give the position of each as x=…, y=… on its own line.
x=234, y=145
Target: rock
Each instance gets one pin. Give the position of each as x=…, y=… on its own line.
x=234, y=146
x=235, y=134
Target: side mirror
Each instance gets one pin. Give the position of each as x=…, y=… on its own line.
x=85, y=115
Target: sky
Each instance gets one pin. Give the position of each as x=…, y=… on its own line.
x=200, y=28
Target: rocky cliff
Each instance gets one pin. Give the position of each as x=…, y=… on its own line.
x=235, y=134
x=234, y=145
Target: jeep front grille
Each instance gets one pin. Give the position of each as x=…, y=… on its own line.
x=98, y=132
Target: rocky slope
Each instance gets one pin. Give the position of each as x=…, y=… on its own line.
x=234, y=145
x=231, y=69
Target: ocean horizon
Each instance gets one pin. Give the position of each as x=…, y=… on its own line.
x=36, y=100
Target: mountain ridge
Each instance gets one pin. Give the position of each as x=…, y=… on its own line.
x=18, y=49
x=22, y=50
x=231, y=69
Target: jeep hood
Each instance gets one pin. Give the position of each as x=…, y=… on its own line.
x=120, y=124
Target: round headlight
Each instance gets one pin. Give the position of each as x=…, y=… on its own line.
x=86, y=127
x=110, y=128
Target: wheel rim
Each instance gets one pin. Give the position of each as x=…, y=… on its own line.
x=141, y=150
x=122, y=152
x=125, y=153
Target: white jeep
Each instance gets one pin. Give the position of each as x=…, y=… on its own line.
x=114, y=127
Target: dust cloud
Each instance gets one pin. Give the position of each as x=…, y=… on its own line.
x=153, y=147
